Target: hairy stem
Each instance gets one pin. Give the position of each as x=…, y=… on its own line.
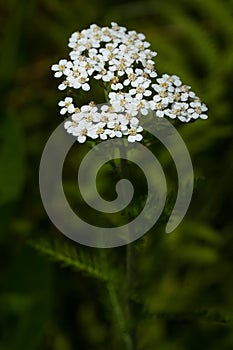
x=119, y=315
x=116, y=295
x=129, y=261
x=120, y=298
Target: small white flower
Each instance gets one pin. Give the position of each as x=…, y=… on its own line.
x=196, y=110
x=134, y=134
x=99, y=130
x=128, y=119
x=63, y=85
x=141, y=89
x=143, y=107
x=79, y=82
x=109, y=52
x=146, y=55
x=108, y=118
x=70, y=126
x=160, y=101
x=179, y=110
x=132, y=108
x=117, y=129
x=132, y=76
x=78, y=116
x=60, y=67
x=149, y=69
x=116, y=86
x=82, y=131
x=119, y=100
x=74, y=38
x=92, y=117
x=67, y=105
x=175, y=80
x=120, y=65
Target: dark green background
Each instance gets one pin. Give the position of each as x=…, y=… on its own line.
x=185, y=279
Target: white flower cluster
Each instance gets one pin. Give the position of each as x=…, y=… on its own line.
x=174, y=100
x=93, y=122
x=123, y=62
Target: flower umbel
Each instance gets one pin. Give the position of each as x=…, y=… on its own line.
x=122, y=62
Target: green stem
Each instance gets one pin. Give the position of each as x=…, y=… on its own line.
x=120, y=299
x=106, y=94
x=119, y=315
x=116, y=296
x=129, y=261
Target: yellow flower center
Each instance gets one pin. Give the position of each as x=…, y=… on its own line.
x=132, y=132
x=100, y=131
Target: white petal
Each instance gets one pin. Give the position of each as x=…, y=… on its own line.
x=134, y=121
x=139, y=129
x=58, y=74
x=124, y=129
x=62, y=86
x=86, y=87
x=98, y=76
x=132, y=91
x=144, y=111
x=67, y=124
x=204, y=108
x=147, y=93
x=160, y=114
x=131, y=138
x=192, y=94
x=138, y=137
x=195, y=115
x=55, y=67
x=152, y=105
x=63, y=111
x=181, y=118
x=126, y=82
x=114, y=87
x=81, y=139
x=71, y=109
x=153, y=74
x=204, y=116
x=118, y=133
x=62, y=62
x=139, y=96
x=103, y=136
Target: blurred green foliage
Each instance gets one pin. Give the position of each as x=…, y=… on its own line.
x=183, y=283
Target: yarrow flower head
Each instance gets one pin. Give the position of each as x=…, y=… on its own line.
x=122, y=62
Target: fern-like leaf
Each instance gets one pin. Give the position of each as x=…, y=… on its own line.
x=69, y=256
